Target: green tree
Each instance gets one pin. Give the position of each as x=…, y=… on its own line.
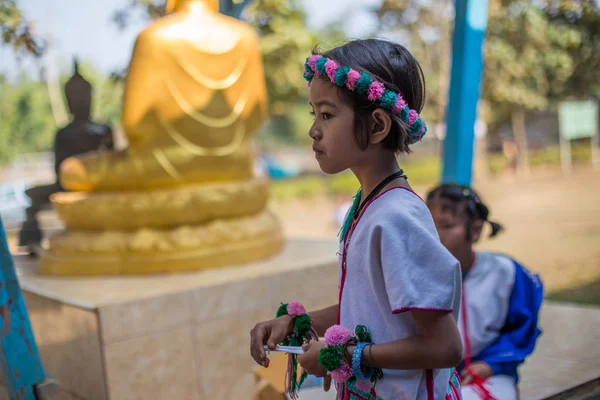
x=583, y=17
x=528, y=59
x=16, y=31
x=26, y=120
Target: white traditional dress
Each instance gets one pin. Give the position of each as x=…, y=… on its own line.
x=393, y=262
x=498, y=322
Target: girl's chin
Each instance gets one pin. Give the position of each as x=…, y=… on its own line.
x=330, y=169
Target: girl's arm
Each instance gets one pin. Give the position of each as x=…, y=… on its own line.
x=324, y=318
x=437, y=346
x=274, y=331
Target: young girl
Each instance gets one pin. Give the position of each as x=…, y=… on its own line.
x=396, y=278
x=501, y=299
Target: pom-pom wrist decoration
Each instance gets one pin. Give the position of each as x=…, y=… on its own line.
x=333, y=358
x=302, y=332
x=364, y=84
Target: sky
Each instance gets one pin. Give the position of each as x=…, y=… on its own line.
x=83, y=28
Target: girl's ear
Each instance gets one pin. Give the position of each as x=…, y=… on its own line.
x=381, y=122
x=476, y=228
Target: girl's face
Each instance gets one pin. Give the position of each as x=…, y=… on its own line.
x=451, y=223
x=333, y=129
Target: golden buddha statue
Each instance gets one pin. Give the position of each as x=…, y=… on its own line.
x=184, y=194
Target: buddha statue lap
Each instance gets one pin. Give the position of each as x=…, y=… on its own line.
x=185, y=194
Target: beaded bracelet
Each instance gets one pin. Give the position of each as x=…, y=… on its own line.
x=357, y=360
x=302, y=333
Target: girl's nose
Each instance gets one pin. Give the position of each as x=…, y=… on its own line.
x=314, y=133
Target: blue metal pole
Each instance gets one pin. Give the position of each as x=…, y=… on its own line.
x=20, y=360
x=467, y=64
x=233, y=8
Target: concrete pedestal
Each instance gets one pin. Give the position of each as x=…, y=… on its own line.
x=179, y=336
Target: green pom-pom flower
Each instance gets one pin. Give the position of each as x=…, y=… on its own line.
x=320, y=66
x=330, y=357
x=363, y=83
x=362, y=333
x=341, y=74
x=416, y=127
x=302, y=323
x=282, y=310
x=404, y=114
x=388, y=99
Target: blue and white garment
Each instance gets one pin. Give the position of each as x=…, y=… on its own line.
x=499, y=319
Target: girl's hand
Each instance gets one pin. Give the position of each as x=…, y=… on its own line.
x=327, y=383
x=310, y=359
x=269, y=333
x=479, y=368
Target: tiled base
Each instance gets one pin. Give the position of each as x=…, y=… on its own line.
x=567, y=353
x=180, y=336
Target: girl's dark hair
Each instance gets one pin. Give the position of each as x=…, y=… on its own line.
x=461, y=194
x=392, y=65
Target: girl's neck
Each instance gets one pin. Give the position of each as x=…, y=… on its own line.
x=467, y=261
x=371, y=174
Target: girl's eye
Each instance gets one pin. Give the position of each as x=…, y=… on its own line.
x=326, y=116
x=312, y=113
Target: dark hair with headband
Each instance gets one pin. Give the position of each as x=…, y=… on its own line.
x=461, y=194
x=392, y=66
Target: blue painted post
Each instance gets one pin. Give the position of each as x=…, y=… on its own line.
x=233, y=8
x=467, y=64
x=20, y=360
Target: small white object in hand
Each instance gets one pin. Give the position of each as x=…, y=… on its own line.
x=287, y=349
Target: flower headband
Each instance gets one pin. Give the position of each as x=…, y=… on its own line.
x=364, y=84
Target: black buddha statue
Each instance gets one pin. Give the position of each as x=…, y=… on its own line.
x=80, y=136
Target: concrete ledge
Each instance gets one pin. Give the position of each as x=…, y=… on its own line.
x=171, y=336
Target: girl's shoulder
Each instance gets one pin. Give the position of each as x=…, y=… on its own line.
x=499, y=267
x=397, y=201
x=399, y=205
x=496, y=259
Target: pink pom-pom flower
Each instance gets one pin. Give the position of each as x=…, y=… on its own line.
x=337, y=335
x=412, y=117
x=331, y=68
x=295, y=309
x=352, y=78
x=376, y=90
x=400, y=104
x=342, y=374
x=312, y=62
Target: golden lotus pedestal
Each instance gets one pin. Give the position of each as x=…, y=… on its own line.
x=194, y=227
x=171, y=336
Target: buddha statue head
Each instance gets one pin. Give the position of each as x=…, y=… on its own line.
x=176, y=5
x=79, y=94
